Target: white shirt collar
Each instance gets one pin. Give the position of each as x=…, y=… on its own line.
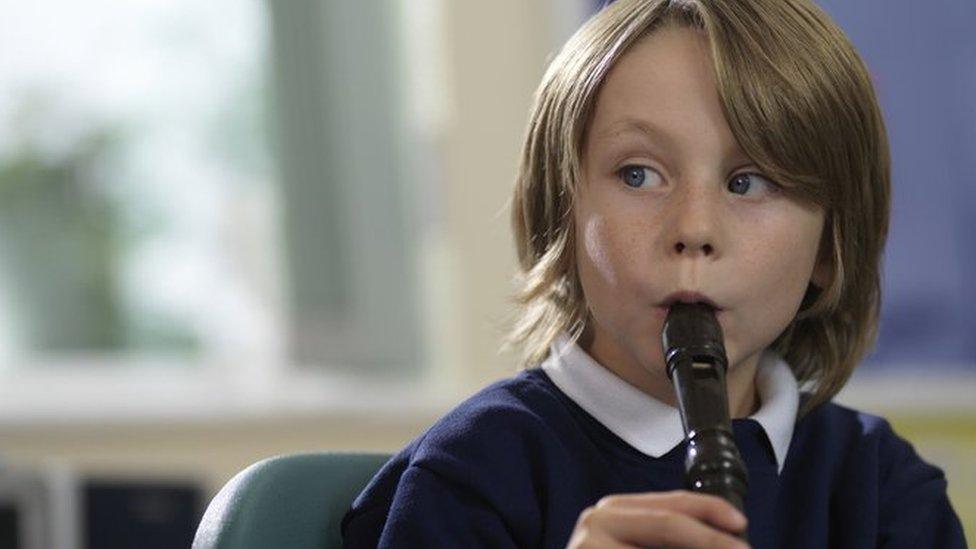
x=649, y=425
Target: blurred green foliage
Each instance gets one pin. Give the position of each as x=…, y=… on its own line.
x=58, y=244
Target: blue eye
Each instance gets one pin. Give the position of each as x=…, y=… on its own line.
x=635, y=176
x=744, y=182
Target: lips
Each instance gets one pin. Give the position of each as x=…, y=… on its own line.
x=689, y=297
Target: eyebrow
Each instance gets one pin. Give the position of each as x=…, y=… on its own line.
x=653, y=132
x=634, y=125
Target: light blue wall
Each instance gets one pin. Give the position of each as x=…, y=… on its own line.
x=922, y=57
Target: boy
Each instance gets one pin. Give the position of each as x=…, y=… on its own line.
x=723, y=151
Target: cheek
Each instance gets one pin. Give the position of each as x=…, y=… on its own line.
x=779, y=274
x=612, y=254
x=598, y=251
x=784, y=267
x=603, y=267
x=597, y=270
x=613, y=265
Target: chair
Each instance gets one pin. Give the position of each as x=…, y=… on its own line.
x=295, y=501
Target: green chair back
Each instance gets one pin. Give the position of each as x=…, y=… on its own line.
x=287, y=502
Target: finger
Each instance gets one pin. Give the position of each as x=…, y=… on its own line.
x=597, y=541
x=591, y=532
x=656, y=527
x=704, y=507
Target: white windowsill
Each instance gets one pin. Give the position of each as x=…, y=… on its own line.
x=122, y=395
x=87, y=394
x=944, y=393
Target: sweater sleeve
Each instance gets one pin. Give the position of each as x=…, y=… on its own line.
x=915, y=511
x=429, y=510
x=474, y=479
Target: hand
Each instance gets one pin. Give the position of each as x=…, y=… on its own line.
x=659, y=519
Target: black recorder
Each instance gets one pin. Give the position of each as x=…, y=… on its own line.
x=696, y=364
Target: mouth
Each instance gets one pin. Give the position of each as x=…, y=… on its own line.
x=688, y=297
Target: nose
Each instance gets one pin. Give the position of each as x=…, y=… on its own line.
x=695, y=222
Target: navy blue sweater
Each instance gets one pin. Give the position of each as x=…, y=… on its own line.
x=514, y=465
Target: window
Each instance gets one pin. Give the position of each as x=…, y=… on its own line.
x=196, y=198
x=144, y=212
x=137, y=210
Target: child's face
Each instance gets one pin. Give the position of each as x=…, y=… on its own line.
x=661, y=209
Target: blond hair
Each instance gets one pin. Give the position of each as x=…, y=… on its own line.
x=800, y=103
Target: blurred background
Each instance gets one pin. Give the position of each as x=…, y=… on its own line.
x=230, y=230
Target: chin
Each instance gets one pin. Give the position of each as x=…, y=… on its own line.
x=650, y=354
